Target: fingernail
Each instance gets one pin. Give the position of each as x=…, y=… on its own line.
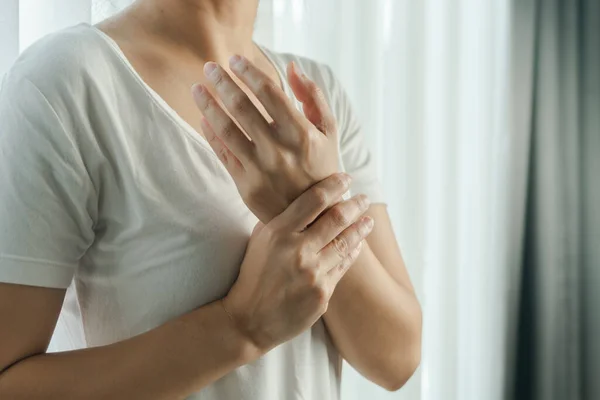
x=234, y=61
x=197, y=88
x=209, y=68
x=346, y=178
x=369, y=223
x=364, y=201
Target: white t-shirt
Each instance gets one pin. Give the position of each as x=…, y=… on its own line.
x=106, y=191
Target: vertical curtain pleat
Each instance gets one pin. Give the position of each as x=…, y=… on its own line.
x=9, y=34
x=38, y=18
x=467, y=193
x=589, y=31
x=558, y=354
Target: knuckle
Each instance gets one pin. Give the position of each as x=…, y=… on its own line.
x=338, y=216
x=321, y=294
x=340, y=244
x=264, y=88
x=244, y=67
x=208, y=103
x=239, y=103
x=311, y=276
x=361, y=202
x=241, y=67
x=338, y=181
x=223, y=154
x=318, y=265
x=320, y=197
x=302, y=260
x=228, y=129
x=218, y=79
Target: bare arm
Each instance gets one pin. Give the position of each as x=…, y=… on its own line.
x=169, y=362
x=374, y=317
x=286, y=279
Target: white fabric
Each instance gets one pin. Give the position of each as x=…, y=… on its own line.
x=430, y=79
x=105, y=184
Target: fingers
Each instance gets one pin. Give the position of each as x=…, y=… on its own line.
x=314, y=105
x=222, y=125
x=310, y=204
x=342, y=246
x=336, y=273
x=237, y=102
x=275, y=101
x=336, y=220
x=228, y=159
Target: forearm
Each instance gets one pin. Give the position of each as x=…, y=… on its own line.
x=375, y=323
x=169, y=362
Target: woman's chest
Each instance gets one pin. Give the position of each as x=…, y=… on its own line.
x=170, y=75
x=171, y=229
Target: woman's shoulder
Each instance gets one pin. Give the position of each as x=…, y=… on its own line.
x=58, y=62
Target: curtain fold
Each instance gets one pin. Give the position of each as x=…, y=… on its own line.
x=430, y=81
x=9, y=34
x=558, y=356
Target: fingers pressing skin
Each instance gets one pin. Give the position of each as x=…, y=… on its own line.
x=306, y=208
x=336, y=220
x=342, y=245
x=336, y=273
x=275, y=101
x=237, y=102
x=222, y=125
x=314, y=105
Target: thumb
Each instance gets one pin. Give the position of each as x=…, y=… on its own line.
x=314, y=105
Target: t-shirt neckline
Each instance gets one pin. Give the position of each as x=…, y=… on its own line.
x=157, y=98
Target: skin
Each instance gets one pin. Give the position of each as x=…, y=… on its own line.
x=190, y=352
x=374, y=318
x=369, y=309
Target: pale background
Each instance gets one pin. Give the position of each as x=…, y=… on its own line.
x=451, y=105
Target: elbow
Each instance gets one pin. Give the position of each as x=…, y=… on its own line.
x=403, y=363
x=399, y=377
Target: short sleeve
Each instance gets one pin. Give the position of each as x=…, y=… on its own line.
x=356, y=158
x=46, y=197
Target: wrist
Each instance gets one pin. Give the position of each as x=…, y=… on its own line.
x=246, y=349
x=248, y=328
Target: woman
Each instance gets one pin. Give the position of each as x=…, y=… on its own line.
x=197, y=253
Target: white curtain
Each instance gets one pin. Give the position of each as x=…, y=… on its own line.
x=430, y=81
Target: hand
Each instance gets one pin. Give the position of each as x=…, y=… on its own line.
x=283, y=158
x=289, y=273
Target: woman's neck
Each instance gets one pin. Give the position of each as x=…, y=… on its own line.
x=212, y=29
